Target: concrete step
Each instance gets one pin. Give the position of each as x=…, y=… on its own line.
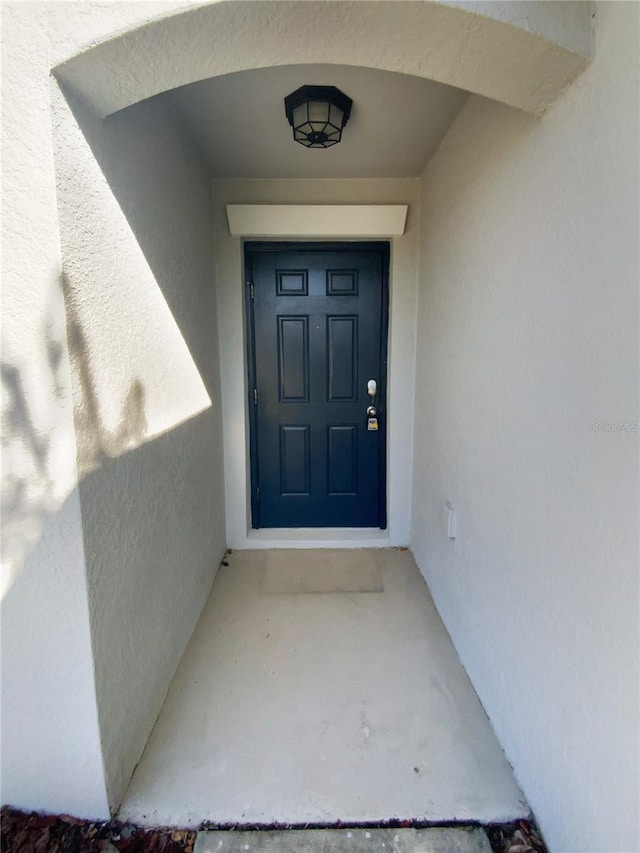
x=432, y=840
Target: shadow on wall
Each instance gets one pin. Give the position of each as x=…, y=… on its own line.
x=143, y=522
x=28, y=488
x=145, y=471
x=135, y=221
x=31, y=489
x=42, y=644
x=134, y=207
x=27, y=485
x=19, y=432
x=95, y=441
x=163, y=191
x=152, y=548
x=40, y=469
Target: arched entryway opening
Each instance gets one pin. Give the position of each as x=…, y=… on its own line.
x=163, y=416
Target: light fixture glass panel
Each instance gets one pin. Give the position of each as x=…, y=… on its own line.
x=318, y=111
x=300, y=115
x=335, y=115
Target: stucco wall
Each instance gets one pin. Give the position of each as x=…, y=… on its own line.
x=135, y=216
x=51, y=751
x=527, y=338
x=536, y=49
x=402, y=312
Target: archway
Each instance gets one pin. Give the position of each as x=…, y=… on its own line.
x=523, y=58
x=530, y=64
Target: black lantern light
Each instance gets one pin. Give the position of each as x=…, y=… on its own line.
x=317, y=115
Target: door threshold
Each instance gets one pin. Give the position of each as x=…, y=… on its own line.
x=318, y=537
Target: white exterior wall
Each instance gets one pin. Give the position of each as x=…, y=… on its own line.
x=51, y=748
x=402, y=313
x=135, y=216
x=528, y=332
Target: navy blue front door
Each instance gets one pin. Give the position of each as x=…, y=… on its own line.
x=317, y=320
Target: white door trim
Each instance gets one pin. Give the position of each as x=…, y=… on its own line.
x=317, y=220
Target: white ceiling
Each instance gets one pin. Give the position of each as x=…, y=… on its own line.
x=396, y=123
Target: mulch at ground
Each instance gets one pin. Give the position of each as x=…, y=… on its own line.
x=522, y=836
x=34, y=833
x=23, y=832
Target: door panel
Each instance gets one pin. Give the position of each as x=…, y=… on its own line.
x=293, y=359
x=294, y=460
x=317, y=321
x=342, y=358
x=342, y=459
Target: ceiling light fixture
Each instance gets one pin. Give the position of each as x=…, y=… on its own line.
x=317, y=115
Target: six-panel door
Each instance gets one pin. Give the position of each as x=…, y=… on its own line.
x=318, y=323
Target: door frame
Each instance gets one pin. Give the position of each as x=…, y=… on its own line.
x=249, y=247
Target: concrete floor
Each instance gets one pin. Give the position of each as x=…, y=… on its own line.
x=430, y=840
x=321, y=686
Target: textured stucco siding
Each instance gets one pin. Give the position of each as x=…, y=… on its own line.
x=530, y=63
x=527, y=346
x=139, y=284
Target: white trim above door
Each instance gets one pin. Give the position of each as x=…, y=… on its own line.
x=317, y=220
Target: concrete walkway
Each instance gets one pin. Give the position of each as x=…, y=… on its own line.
x=346, y=841
x=321, y=686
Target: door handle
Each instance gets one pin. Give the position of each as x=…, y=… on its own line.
x=372, y=412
